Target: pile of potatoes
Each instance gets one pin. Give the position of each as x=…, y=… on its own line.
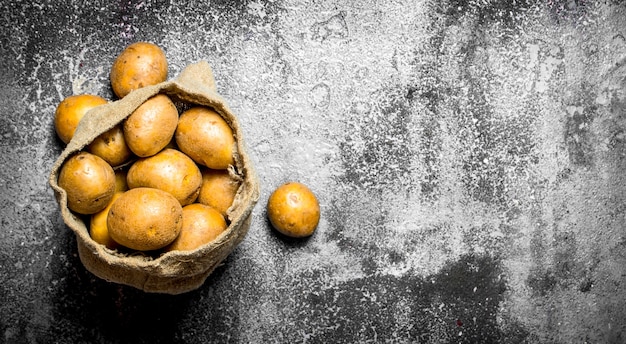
x=161, y=180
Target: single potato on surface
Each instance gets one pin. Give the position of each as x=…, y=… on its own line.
x=145, y=219
x=111, y=146
x=151, y=127
x=89, y=182
x=201, y=225
x=293, y=210
x=206, y=137
x=169, y=170
x=140, y=64
x=71, y=110
x=218, y=189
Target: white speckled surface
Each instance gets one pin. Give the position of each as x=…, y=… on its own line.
x=468, y=158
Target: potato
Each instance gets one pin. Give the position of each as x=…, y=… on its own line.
x=120, y=181
x=218, y=189
x=111, y=146
x=145, y=219
x=70, y=111
x=201, y=225
x=89, y=182
x=293, y=210
x=169, y=170
x=140, y=64
x=205, y=137
x=151, y=126
x=98, y=229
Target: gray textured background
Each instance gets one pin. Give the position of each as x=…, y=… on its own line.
x=468, y=157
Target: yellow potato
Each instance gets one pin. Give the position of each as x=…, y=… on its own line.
x=293, y=210
x=98, y=229
x=145, y=219
x=111, y=146
x=201, y=225
x=151, y=127
x=218, y=189
x=89, y=182
x=169, y=170
x=140, y=64
x=120, y=181
x=71, y=110
x=206, y=137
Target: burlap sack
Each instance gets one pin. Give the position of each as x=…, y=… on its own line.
x=174, y=272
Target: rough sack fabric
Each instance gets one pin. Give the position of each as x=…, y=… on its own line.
x=177, y=271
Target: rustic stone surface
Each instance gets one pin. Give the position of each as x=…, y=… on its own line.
x=469, y=159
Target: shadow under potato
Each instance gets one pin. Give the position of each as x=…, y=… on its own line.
x=289, y=241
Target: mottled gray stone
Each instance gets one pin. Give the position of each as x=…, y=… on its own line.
x=469, y=159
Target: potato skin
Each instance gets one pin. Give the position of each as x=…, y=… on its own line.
x=89, y=182
x=145, y=219
x=98, y=229
x=293, y=210
x=169, y=170
x=205, y=137
x=138, y=65
x=151, y=127
x=121, y=184
x=111, y=146
x=201, y=225
x=71, y=110
x=218, y=189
